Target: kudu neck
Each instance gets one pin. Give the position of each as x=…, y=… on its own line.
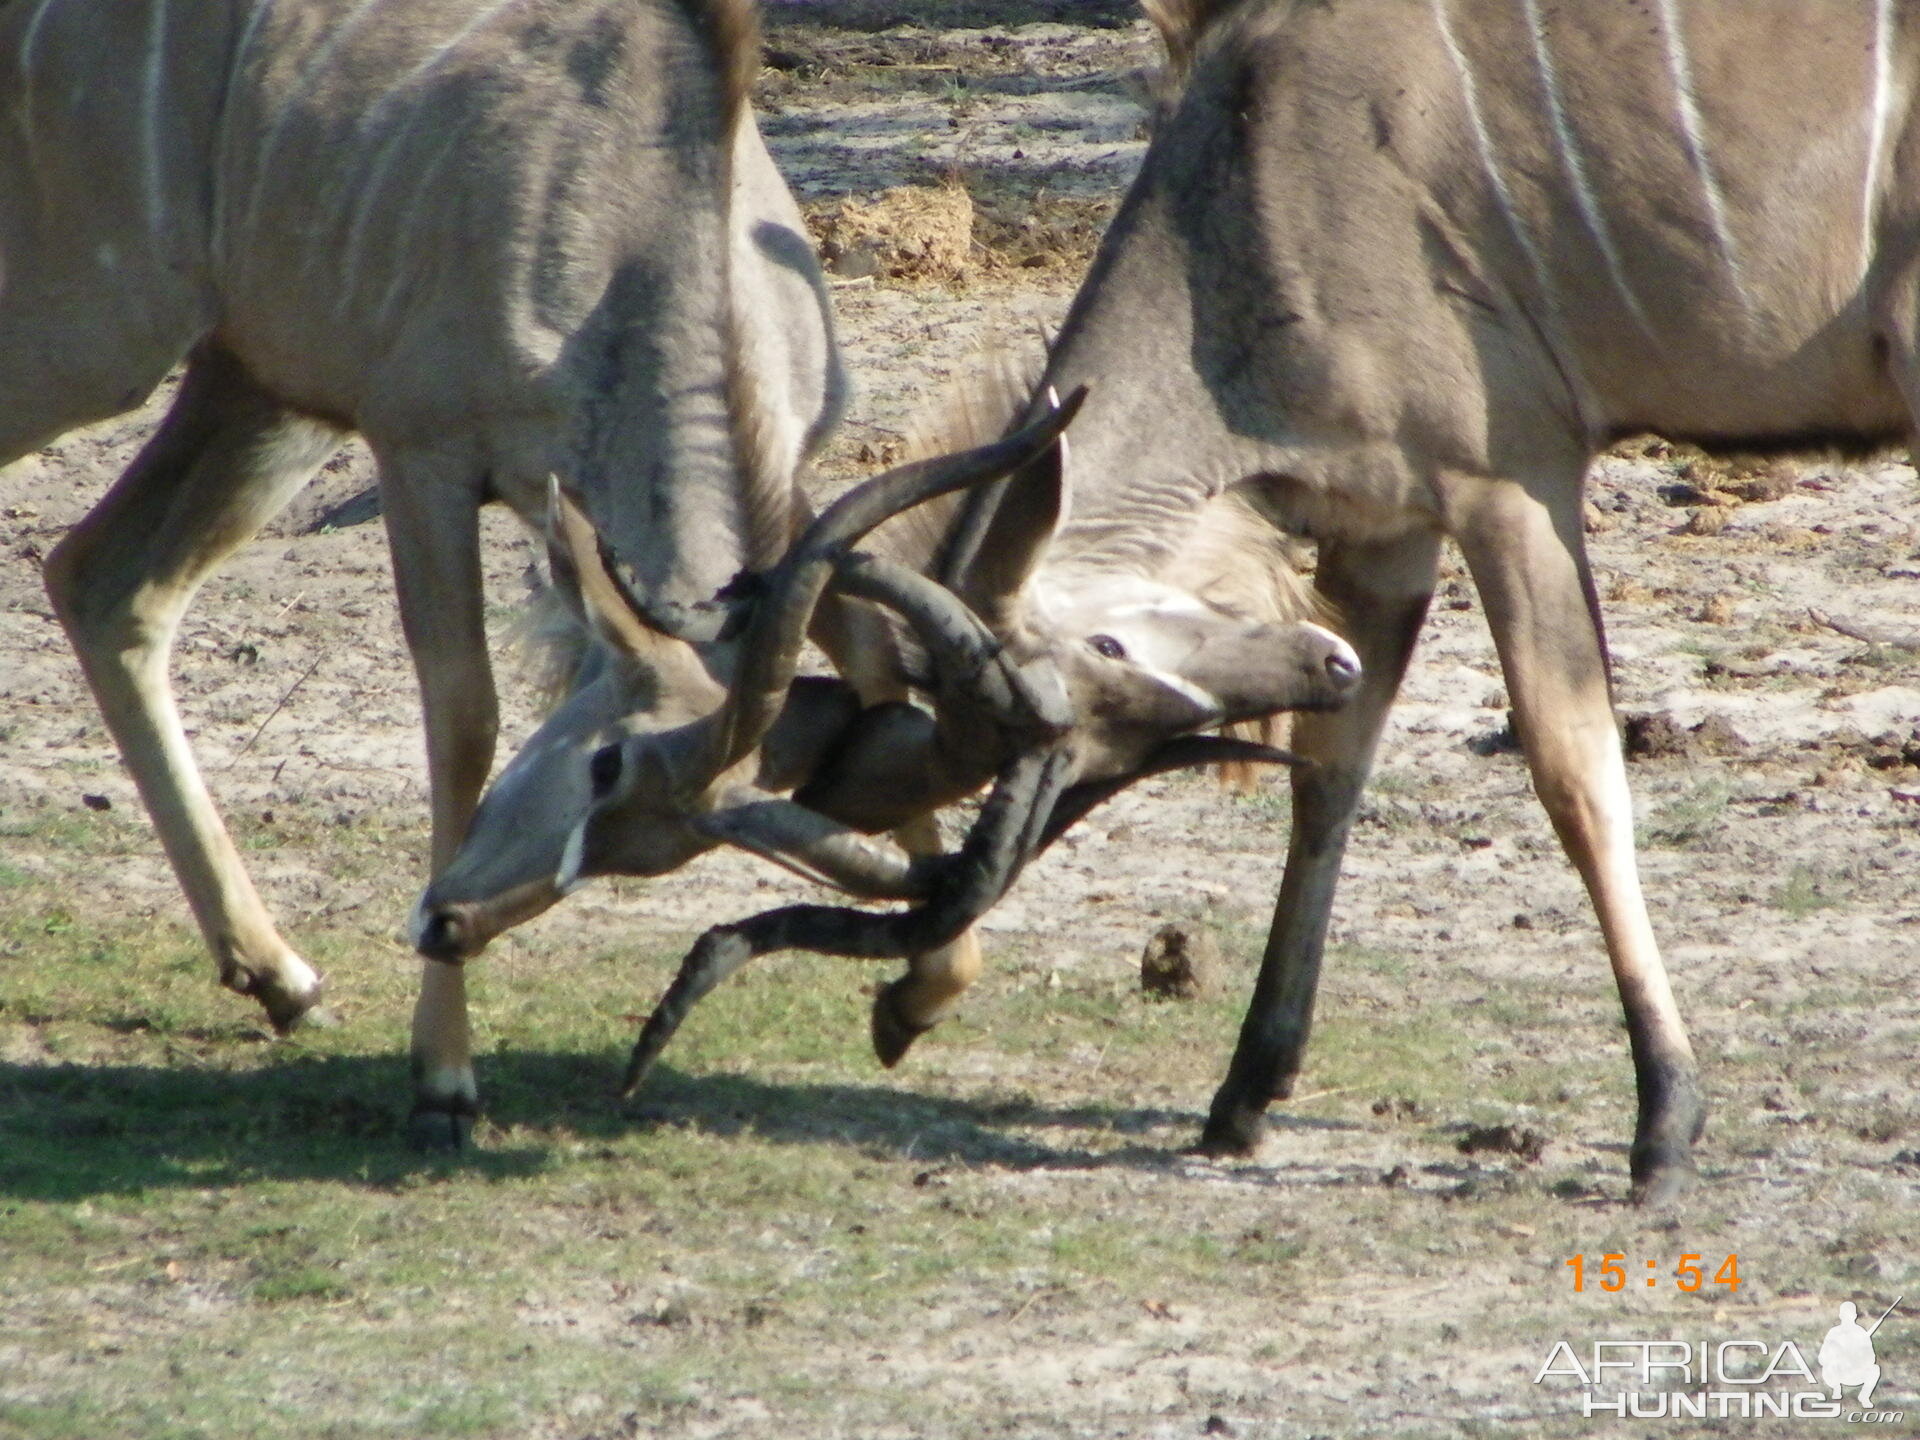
x=1164, y=424
x=666, y=475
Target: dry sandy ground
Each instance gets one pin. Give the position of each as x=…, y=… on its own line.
x=1781, y=840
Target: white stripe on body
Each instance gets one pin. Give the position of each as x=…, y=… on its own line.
x=223, y=160
x=1483, y=138
x=367, y=191
x=1576, y=167
x=1876, y=123
x=30, y=38
x=152, y=89
x=1692, y=135
x=422, y=184
x=29, y=43
x=310, y=74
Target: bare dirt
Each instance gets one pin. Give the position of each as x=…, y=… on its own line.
x=1764, y=626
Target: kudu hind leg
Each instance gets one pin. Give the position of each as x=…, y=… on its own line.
x=432, y=503
x=224, y=461
x=1529, y=564
x=906, y=1008
x=1380, y=593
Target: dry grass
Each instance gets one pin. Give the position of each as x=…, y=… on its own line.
x=966, y=230
x=911, y=232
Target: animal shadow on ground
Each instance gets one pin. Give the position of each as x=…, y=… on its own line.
x=69, y=1132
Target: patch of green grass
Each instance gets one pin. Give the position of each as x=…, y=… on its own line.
x=209, y=1233
x=1885, y=655
x=1422, y=1055
x=1369, y=960
x=1405, y=782
x=1691, y=819
x=67, y=830
x=1268, y=801
x=1806, y=891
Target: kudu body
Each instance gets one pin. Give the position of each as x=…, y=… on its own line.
x=1408, y=264
x=502, y=241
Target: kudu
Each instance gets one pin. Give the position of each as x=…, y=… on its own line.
x=1408, y=265
x=607, y=785
x=501, y=241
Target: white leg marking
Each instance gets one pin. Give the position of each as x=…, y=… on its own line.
x=367, y=192
x=1876, y=122
x=1692, y=135
x=153, y=174
x=1576, y=167
x=1470, y=93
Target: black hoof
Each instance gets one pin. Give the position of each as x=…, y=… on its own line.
x=893, y=1034
x=1659, y=1183
x=1232, y=1130
x=286, y=1012
x=1673, y=1115
x=439, y=1132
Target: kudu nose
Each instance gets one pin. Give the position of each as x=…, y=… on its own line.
x=1341, y=664
x=441, y=935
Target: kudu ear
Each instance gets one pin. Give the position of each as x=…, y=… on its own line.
x=583, y=575
x=1031, y=509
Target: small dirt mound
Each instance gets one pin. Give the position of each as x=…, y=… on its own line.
x=1036, y=231
x=911, y=232
x=1182, y=962
x=1661, y=737
x=1527, y=1143
x=1704, y=478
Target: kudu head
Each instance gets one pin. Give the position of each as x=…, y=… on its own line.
x=1145, y=655
x=658, y=731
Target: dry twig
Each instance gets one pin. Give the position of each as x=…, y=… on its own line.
x=1867, y=635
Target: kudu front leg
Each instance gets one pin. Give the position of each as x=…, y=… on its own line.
x=223, y=463
x=432, y=506
x=1380, y=594
x=1529, y=563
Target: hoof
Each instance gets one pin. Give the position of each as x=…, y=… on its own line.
x=319, y=1017
x=288, y=993
x=439, y=1132
x=287, y=1010
x=1659, y=1184
x=893, y=1034
x=1673, y=1115
x=1233, y=1131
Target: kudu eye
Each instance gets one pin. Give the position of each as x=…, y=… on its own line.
x=604, y=770
x=1108, y=646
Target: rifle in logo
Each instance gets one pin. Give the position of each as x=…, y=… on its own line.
x=1846, y=1355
